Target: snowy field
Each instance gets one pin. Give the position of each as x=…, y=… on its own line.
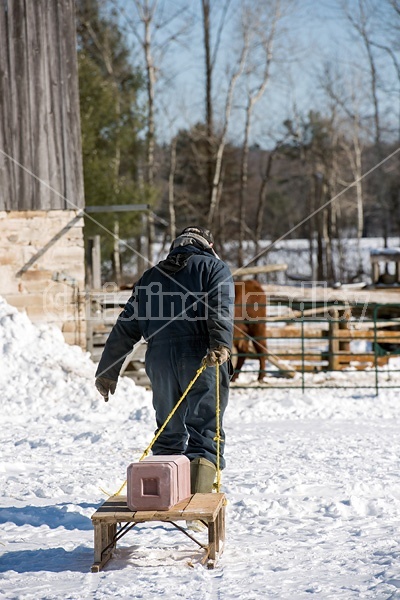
x=313, y=483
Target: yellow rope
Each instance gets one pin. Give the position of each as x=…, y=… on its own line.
x=171, y=414
x=218, y=438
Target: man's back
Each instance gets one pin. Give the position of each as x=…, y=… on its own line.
x=184, y=303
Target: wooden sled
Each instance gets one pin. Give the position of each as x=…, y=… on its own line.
x=109, y=517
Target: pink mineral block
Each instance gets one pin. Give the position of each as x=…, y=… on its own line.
x=158, y=482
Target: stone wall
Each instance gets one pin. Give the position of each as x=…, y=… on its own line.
x=42, y=268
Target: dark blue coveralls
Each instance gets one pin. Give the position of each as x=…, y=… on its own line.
x=182, y=307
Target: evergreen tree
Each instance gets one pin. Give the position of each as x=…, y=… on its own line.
x=111, y=122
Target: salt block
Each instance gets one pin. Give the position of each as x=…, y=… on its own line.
x=158, y=482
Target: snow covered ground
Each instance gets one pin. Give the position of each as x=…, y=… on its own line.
x=313, y=482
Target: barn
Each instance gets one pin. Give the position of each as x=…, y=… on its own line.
x=41, y=180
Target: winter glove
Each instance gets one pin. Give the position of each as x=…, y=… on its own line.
x=105, y=386
x=218, y=355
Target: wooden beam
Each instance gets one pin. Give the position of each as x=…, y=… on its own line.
x=327, y=296
x=111, y=208
x=257, y=270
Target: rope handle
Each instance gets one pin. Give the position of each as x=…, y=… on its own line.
x=171, y=414
x=217, y=438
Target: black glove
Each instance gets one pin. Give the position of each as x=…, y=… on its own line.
x=218, y=356
x=105, y=386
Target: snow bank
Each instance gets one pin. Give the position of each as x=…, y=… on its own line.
x=42, y=373
x=49, y=404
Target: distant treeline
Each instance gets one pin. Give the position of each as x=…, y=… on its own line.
x=325, y=175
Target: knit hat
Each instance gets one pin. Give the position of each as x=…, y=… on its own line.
x=197, y=230
x=197, y=236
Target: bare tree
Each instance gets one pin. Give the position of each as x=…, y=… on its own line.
x=210, y=58
x=360, y=20
x=235, y=74
x=266, y=177
x=261, y=26
x=171, y=189
x=151, y=26
x=391, y=47
x=363, y=21
x=345, y=97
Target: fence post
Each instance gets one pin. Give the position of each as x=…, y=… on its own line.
x=333, y=357
x=302, y=351
x=344, y=323
x=376, y=352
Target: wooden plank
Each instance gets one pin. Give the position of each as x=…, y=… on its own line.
x=116, y=509
x=291, y=331
x=222, y=523
x=364, y=297
x=296, y=314
x=54, y=108
x=212, y=542
x=297, y=356
x=175, y=512
x=258, y=269
x=381, y=360
x=204, y=506
x=98, y=539
x=71, y=128
x=161, y=515
x=37, y=135
x=98, y=565
x=112, y=506
x=7, y=167
x=103, y=536
x=21, y=117
x=198, y=506
x=355, y=334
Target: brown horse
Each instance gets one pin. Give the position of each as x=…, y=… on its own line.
x=250, y=306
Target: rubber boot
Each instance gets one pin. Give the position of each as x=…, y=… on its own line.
x=202, y=475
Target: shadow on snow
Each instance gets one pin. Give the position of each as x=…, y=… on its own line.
x=52, y=516
x=56, y=560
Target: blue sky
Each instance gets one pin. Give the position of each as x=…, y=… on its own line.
x=316, y=31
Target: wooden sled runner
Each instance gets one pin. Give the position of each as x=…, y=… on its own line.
x=209, y=508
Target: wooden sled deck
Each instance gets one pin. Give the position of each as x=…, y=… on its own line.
x=209, y=508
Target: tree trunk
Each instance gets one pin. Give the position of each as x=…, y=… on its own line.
x=171, y=190
x=217, y=183
x=116, y=258
x=261, y=203
x=209, y=104
x=319, y=217
x=150, y=70
x=266, y=42
x=243, y=186
x=360, y=204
